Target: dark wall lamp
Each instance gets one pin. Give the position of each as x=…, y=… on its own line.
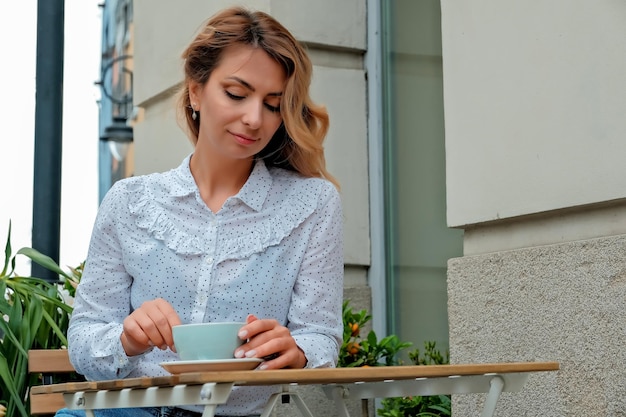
x=118, y=131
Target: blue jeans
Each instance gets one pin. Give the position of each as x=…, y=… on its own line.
x=132, y=412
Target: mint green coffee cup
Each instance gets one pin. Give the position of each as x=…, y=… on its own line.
x=207, y=341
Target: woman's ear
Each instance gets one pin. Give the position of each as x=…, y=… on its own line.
x=194, y=94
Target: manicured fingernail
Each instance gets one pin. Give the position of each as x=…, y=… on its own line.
x=239, y=353
x=242, y=334
x=250, y=353
x=262, y=367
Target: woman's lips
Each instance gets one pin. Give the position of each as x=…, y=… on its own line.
x=243, y=139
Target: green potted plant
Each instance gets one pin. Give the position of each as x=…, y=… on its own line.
x=357, y=351
x=417, y=406
x=34, y=315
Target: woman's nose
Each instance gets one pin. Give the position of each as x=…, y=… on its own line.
x=253, y=115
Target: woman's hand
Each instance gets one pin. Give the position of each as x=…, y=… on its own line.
x=148, y=326
x=267, y=339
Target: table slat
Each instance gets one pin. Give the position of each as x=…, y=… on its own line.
x=303, y=376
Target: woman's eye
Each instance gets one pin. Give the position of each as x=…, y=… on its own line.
x=273, y=109
x=233, y=96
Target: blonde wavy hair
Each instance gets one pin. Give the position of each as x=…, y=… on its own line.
x=298, y=143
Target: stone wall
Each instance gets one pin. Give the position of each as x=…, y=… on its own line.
x=563, y=302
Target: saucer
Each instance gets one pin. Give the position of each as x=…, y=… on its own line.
x=243, y=364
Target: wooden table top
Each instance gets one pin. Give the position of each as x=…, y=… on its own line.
x=301, y=376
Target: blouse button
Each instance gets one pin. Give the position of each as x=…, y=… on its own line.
x=209, y=260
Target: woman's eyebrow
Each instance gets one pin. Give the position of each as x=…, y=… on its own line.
x=249, y=87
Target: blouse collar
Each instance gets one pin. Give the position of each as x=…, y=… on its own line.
x=253, y=193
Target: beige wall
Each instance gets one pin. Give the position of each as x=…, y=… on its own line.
x=535, y=105
x=535, y=142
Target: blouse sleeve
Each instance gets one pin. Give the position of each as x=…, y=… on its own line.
x=103, y=298
x=315, y=316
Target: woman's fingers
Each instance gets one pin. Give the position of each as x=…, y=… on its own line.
x=150, y=325
x=268, y=340
x=285, y=354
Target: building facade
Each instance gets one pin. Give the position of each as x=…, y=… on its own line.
x=479, y=149
x=117, y=112
x=535, y=137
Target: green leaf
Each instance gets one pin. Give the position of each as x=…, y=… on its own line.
x=43, y=260
x=16, y=312
x=442, y=409
x=7, y=252
x=33, y=315
x=14, y=400
x=371, y=338
x=9, y=336
x=3, y=290
x=56, y=329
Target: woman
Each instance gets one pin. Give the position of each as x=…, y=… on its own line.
x=247, y=228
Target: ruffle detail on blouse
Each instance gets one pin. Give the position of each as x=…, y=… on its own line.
x=291, y=213
x=152, y=218
x=268, y=230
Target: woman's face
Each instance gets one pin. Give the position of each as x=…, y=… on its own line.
x=239, y=105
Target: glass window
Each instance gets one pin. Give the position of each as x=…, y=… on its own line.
x=418, y=241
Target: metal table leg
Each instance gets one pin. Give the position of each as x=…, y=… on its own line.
x=286, y=390
x=338, y=394
x=497, y=385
